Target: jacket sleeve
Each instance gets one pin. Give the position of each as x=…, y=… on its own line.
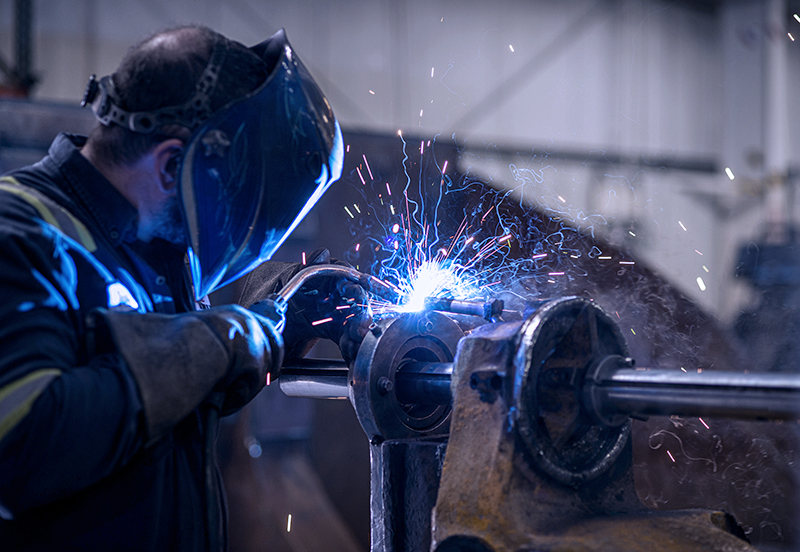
x=66, y=420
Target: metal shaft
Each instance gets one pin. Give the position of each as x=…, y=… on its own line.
x=625, y=392
x=415, y=382
x=713, y=394
x=489, y=310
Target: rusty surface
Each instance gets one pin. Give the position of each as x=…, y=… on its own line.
x=489, y=489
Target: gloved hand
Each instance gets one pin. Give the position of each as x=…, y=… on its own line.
x=179, y=360
x=317, y=300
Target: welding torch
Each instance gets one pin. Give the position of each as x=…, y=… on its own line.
x=490, y=310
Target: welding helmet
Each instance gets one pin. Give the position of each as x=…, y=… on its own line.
x=253, y=169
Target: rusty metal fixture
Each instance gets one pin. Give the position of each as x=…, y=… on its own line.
x=525, y=472
x=410, y=344
x=520, y=440
x=559, y=343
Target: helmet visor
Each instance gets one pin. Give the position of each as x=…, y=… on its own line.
x=254, y=169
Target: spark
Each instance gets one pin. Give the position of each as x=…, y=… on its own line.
x=322, y=321
x=400, y=133
x=361, y=176
x=357, y=209
x=368, y=169
x=388, y=189
x=304, y=258
x=684, y=369
x=348, y=148
x=797, y=18
x=562, y=199
x=343, y=307
x=504, y=238
x=705, y=268
x=539, y=256
x=269, y=378
x=701, y=284
x=555, y=273
x=670, y=456
x=431, y=72
x=728, y=170
x=631, y=233
x=510, y=47
x=627, y=262
x=348, y=212
x=392, y=208
x=444, y=168
x=395, y=228
x=696, y=251
x=702, y=422
x=633, y=332
x=371, y=92
x=682, y=226
x=358, y=246
x=289, y=524
x=420, y=113
x=422, y=142
x=791, y=37
x=605, y=258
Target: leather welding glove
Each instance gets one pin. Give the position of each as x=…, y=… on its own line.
x=342, y=300
x=182, y=360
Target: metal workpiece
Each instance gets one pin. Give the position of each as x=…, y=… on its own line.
x=527, y=468
x=399, y=345
x=490, y=310
x=421, y=383
x=315, y=379
x=519, y=432
x=624, y=392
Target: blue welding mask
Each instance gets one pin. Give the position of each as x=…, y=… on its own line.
x=255, y=168
x=252, y=170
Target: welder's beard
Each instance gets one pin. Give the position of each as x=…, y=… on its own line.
x=169, y=223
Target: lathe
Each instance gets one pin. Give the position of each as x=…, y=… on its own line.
x=492, y=436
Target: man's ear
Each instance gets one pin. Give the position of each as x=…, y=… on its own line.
x=167, y=156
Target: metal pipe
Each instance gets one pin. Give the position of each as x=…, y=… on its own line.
x=490, y=310
x=616, y=395
x=415, y=382
x=424, y=383
x=315, y=379
x=714, y=394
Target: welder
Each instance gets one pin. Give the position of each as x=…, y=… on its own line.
x=113, y=366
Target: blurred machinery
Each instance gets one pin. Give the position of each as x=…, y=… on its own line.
x=515, y=436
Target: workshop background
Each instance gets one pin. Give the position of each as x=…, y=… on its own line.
x=666, y=130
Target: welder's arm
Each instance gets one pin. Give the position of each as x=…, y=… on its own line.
x=331, y=308
x=69, y=419
x=179, y=360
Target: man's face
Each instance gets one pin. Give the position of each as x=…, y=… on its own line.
x=168, y=223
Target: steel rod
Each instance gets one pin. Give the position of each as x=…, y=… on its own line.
x=713, y=394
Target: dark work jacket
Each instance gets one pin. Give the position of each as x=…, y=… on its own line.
x=74, y=470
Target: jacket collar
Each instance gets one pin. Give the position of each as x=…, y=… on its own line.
x=115, y=217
